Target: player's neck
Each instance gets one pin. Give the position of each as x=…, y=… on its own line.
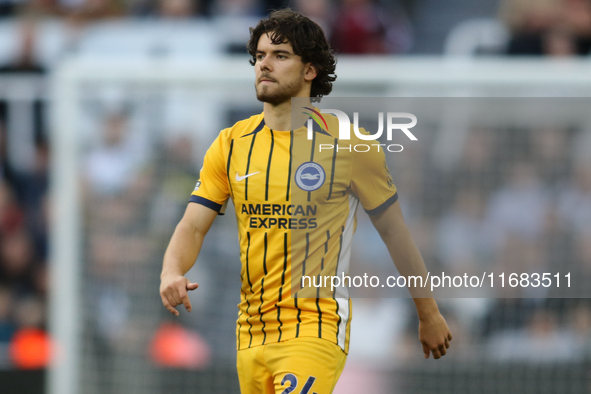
x=278, y=117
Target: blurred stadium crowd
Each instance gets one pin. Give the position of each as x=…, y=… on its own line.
x=516, y=27
x=512, y=198
x=23, y=247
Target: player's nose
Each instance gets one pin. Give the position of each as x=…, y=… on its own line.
x=265, y=64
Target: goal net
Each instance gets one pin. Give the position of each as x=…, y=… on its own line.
x=128, y=142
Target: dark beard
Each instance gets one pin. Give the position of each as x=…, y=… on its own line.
x=279, y=96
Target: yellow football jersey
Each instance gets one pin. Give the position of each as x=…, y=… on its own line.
x=295, y=207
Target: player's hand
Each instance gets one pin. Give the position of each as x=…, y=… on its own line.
x=173, y=291
x=434, y=335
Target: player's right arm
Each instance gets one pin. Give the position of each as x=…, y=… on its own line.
x=207, y=201
x=181, y=254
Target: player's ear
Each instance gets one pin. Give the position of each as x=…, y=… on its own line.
x=310, y=72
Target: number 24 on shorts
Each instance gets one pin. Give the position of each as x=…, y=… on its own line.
x=293, y=383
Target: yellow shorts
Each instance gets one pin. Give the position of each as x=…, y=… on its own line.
x=304, y=365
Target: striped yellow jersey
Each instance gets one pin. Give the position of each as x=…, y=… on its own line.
x=295, y=201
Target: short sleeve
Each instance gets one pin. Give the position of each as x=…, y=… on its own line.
x=212, y=189
x=371, y=181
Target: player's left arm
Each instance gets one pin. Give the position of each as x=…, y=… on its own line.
x=434, y=333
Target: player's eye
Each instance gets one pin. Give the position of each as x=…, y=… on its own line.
x=281, y=57
x=260, y=57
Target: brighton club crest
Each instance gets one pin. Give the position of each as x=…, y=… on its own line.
x=310, y=176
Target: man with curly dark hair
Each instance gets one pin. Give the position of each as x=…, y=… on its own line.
x=294, y=207
x=307, y=41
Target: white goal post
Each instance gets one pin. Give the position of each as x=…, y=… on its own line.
x=230, y=79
